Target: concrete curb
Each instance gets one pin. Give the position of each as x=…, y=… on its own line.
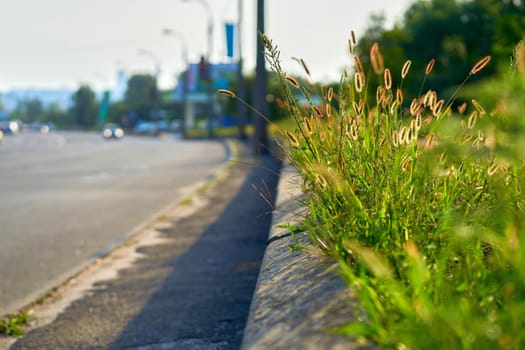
x=298, y=297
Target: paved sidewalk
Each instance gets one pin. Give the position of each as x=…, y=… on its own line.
x=190, y=288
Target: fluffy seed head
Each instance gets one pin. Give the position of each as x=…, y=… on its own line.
x=358, y=82
x=462, y=108
x=388, y=79
x=430, y=66
x=479, y=107
x=479, y=65
x=305, y=67
x=376, y=59
x=472, y=119
x=519, y=56
x=354, y=134
x=429, y=140
x=359, y=66
x=438, y=108
x=399, y=97
x=492, y=169
x=395, y=138
x=292, y=81
x=414, y=106
x=226, y=92
x=317, y=111
x=380, y=91
x=405, y=69
x=293, y=140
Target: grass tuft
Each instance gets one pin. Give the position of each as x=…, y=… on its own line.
x=422, y=207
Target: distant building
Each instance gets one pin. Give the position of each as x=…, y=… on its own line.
x=221, y=74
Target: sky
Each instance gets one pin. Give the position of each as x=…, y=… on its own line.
x=63, y=43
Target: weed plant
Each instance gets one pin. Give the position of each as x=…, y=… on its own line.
x=420, y=202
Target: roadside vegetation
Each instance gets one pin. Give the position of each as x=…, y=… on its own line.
x=418, y=197
x=14, y=324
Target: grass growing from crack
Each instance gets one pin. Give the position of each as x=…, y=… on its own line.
x=13, y=324
x=419, y=199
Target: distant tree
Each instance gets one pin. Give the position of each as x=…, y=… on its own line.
x=57, y=115
x=34, y=110
x=28, y=111
x=84, y=108
x=455, y=33
x=142, y=94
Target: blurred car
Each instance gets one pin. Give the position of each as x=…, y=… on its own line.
x=9, y=127
x=44, y=128
x=145, y=128
x=112, y=131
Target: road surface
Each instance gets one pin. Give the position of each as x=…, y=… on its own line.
x=67, y=197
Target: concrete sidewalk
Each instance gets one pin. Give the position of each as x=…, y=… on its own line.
x=186, y=282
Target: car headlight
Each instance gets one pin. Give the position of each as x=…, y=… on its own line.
x=119, y=132
x=14, y=127
x=107, y=133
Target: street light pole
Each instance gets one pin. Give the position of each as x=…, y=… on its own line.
x=260, y=87
x=241, y=108
x=184, y=91
x=210, y=109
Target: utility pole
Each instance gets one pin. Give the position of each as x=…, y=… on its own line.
x=260, y=88
x=241, y=108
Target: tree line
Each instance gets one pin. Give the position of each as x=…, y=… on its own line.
x=452, y=32
x=141, y=98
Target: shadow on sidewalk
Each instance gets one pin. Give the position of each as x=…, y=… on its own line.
x=204, y=302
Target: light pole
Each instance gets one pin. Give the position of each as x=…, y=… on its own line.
x=210, y=109
x=184, y=91
x=150, y=54
x=241, y=109
x=260, y=88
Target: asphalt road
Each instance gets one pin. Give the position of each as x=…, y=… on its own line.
x=65, y=198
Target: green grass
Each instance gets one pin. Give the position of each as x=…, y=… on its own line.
x=421, y=206
x=13, y=325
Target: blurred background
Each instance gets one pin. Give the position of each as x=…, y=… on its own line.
x=124, y=61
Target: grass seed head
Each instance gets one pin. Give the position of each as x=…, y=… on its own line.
x=293, y=140
x=492, y=169
x=380, y=91
x=359, y=66
x=479, y=107
x=430, y=140
x=330, y=94
x=317, y=111
x=358, y=82
x=376, y=59
x=479, y=65
x=472, y=119
x=414, y=107
x=405, y=69
x=430, y=66
x=354, y=41
x=388, y=79
x=399, y=97
x=226, y=92
x=307, y=123
x=292, y=81
x=462, y=108
x=519, y=56
x=395, y=138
